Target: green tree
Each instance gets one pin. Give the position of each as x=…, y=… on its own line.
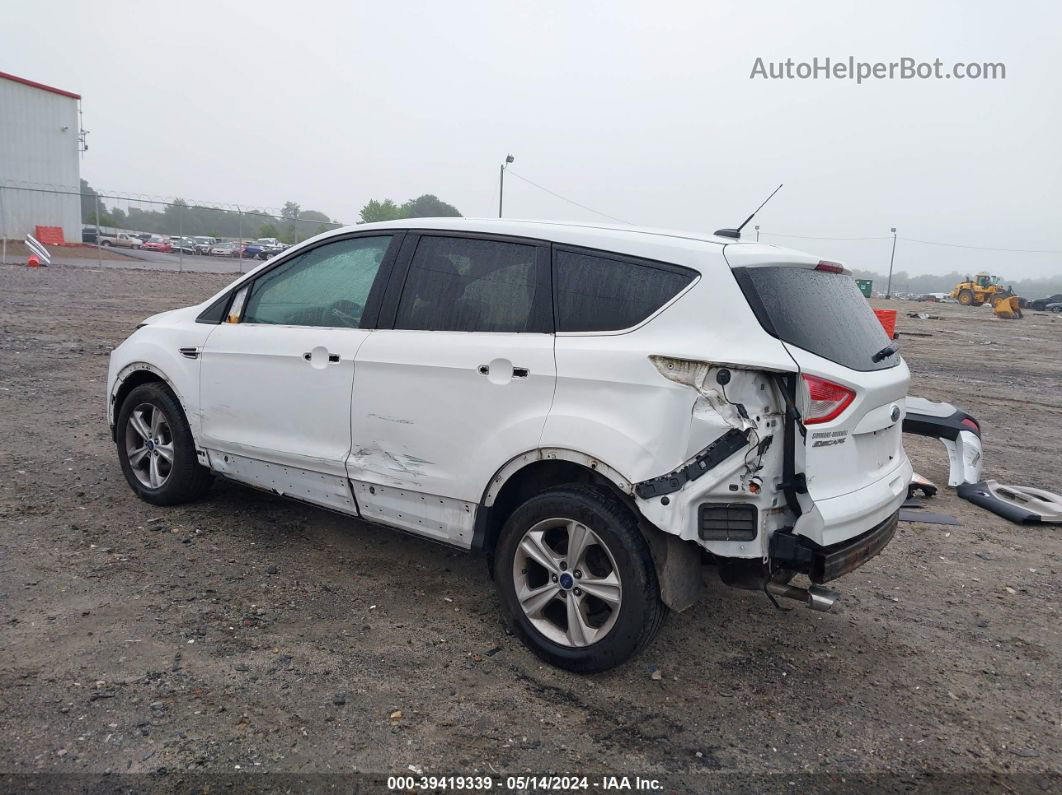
x=89, y=201
x=290, y=213
x=376, y=211
x=268, y=230
x=429, y=206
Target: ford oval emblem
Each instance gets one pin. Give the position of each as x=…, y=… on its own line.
x=895, y=413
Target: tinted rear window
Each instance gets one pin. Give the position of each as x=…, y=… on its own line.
x=599, y=293
x=823, y=313
x=466, y=284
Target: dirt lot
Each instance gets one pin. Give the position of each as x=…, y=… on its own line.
x=244, y=633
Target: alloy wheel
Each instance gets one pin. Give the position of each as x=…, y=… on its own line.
x=149, y=445
x=567, y=582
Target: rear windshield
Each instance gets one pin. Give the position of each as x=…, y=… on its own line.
x=823, y=313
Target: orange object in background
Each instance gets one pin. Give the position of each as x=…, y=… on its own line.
x=50, y=235
x=887, y=318
x=33, y=262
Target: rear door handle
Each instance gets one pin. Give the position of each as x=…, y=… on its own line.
x=332, y=357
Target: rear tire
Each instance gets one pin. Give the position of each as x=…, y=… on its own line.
x=590, y=613
x=156, y=449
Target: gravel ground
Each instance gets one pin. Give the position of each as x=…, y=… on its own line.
x=247, y=634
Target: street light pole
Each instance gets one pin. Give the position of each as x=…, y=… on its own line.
x=501, y=182
x=892, y=257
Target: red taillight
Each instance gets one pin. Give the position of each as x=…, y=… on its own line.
x=971, y=425
x=826, y=400
x=830, y=267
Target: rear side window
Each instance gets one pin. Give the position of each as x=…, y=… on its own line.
x=328, y=286
x=823, y=313
x=600, y=293
x=465, y=284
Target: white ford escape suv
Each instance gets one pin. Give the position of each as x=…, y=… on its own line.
x=599, y=410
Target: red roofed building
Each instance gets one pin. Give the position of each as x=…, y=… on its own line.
x=39, y=150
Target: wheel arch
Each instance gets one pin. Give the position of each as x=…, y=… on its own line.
x=532, y=472
x=677, y=562
x=129, y=378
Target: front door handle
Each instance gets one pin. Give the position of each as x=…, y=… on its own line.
x=332, y=357
x=506, y=372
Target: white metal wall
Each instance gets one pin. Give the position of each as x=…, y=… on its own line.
x=38, y=148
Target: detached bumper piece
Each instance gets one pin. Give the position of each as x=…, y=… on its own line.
x=960, y=433
x=1019, y=504
x=823, y=564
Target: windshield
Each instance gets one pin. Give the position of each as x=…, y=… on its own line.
x=823, y=313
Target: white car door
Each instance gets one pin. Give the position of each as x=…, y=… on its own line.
x=275, y=381
x=462, y=383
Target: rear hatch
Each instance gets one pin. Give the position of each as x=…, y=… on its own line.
x=851, y=392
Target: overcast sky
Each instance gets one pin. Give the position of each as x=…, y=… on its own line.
x=643, y=111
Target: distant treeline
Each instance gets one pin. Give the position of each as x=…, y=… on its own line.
x=180, y=217
x=292, y=225
x=921, y=285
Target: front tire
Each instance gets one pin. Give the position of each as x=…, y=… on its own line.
x=156, y=450
x=966, y=297
x=577, y=580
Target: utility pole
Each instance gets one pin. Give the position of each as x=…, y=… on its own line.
x=501, y=182
x=96, y=198
x=892, y=257
x=180, y=239
x=3, y=228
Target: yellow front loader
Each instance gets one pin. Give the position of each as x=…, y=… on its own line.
x=985, y=288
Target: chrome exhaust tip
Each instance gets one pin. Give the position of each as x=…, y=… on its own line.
x=815, y=597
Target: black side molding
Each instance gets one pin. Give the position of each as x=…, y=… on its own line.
x=709, y=458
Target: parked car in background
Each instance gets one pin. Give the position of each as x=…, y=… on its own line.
x=183, y=244
x=144, y=236
x=597, y=410
x=158, y=245
x=203, y=244
x=1042, y=304
x=120, y=240
x=1054, y=307
x=225, y=250
x=255, y=251
x=88, y=235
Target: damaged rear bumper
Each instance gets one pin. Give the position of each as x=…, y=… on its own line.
x=822, y=564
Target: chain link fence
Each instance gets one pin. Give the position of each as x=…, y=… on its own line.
x=90, y=216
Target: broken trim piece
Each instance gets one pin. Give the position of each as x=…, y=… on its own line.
x=1019, y=504
x=709, y=458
